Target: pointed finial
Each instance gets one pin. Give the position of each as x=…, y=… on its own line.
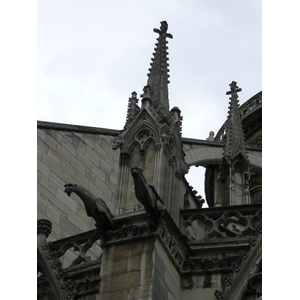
x=132, y=110
x=235, y=141
x=233, y=88
x=163, y=30
x=158, y=77
x=146, y=96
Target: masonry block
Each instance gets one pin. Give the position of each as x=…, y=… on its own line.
x=92, y=155
x=64, y=153
x=84, y=160
x=53, y=214
x=80, y=167
x=52, y=142
x=66, y=144
x=48, y=184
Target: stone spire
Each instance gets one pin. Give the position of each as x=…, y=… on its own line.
x=235, y=140
x=235, y=171
x=158, y=77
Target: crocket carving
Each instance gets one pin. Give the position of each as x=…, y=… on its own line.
x=147, y=194
x=95, y=207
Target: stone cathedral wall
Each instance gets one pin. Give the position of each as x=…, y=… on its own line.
x=86, y=159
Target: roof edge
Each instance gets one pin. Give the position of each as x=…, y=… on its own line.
x=114, y=132
x=77, y=128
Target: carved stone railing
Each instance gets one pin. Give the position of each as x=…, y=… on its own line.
x=249, y=106
x=80, y=244
x=234, y=283
x=65, y=279
x=194, y=250
x=221, y=223
x=234, y=230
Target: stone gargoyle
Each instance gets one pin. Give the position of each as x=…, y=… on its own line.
x=147, y=195
x=95, y=207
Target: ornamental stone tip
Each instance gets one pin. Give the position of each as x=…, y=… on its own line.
x=233, y=88
x=211, y=136
x=176, y=108
x=164, y=26
x=44, y=226
x=43, y=230
x=147, y=92
x=163, y=29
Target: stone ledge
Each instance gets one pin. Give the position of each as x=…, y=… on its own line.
x=77, y=128
x=115, y=132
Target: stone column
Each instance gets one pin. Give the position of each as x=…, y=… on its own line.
x=43, y=230
x=122, y=187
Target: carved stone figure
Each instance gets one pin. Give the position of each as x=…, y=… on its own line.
x=147, y=194
x=95, y=207
x=117, y=143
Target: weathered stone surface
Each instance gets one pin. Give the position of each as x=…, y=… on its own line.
x=160, y=289
x=64, y=153
x=78, y=165
x=129, y=267
x=98, y=172
x=84, y=160
x=92, y=155
x=65, y=156
x=41, y=167
x=120, y=295
x=48, y=184
x=52, y=214
x=68, y=226
x=41, y=205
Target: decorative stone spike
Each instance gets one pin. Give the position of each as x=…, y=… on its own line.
x=158, y=75
x=235, y=141
x=132, y=111
x=43, y=230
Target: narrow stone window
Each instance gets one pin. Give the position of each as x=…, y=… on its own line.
x=256, y=193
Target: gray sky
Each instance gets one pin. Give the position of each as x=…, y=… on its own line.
x=92, y=54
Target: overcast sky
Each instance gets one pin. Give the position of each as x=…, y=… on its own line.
x=91, y=55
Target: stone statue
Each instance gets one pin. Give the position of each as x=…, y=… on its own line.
x=95, y=207
x=147, y=194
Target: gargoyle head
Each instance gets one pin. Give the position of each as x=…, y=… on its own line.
x=69, y=188
x=135, y=171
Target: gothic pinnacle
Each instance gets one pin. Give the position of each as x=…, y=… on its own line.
x=158, y=77
x=235, y=142
x=132, y=110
